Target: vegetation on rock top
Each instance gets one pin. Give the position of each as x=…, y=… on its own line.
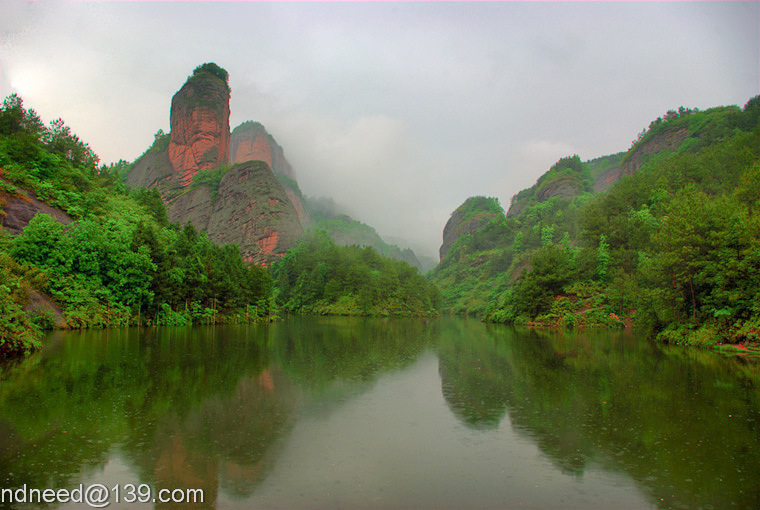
x=212, y=69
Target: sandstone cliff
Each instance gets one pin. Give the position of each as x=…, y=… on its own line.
x=250, y=141
x=243, y=204
x=200, y=126
x=248, y=207
x=467, y=218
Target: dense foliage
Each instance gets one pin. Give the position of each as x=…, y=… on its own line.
x=675, y=247
x=120, y=261
x=214, y=69
x=318, y=276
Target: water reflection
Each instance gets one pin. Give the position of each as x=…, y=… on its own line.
x=684, y=424
x=196, y=407
x=216, y=408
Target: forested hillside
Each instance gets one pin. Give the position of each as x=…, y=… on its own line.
x=319, y=276
x=673, y=246
x=119, y=261
x=345, y=231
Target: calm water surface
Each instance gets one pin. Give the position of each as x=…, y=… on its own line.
x=374, y=413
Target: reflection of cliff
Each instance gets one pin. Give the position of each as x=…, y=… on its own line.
x=177, y=467
x=474, y=383
x=228, y=441
x=204, y=408
x=185, y=407
x=210, y=407
x=599, y=398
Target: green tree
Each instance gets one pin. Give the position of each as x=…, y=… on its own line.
x=603, y=259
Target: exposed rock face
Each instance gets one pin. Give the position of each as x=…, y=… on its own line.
x=250, y=141
x=516, y=206
x=633, y=160
x=295, y=199
x=18, y=211
x=565, y=188
x=607, y=179
x=151, y=169
x=669, y=140
x=467, y=218
x=200, y=126
x=566, y=179
x=250, y=208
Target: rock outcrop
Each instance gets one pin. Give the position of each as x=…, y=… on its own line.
x=607, y=179
x=200, y=126
x=628, y=163
x=249, y=208
x=560, y=188
x=566, y=179
x=250, y=141
x=17, y=211
x=467, y=218
x=244, y=204
x=151, y=169
x=669, y=140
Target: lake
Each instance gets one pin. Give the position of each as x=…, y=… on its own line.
x=384, y=413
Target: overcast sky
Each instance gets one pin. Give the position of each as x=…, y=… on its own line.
x=399, y=111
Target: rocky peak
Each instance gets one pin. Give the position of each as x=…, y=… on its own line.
x=243, y=203
x=250, y=141
x=467, y=218
x=200, y=123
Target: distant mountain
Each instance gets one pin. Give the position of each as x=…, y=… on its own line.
x=345, y=231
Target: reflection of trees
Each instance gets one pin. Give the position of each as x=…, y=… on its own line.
x=314, y=352
x=208, y=408
x=474, y=381
x=188, y=408
x=667, y=417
